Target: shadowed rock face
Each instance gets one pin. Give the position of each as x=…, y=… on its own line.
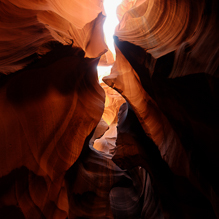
x=98, y=188
x=173, y=194
x=44, y=123
x=60, y=153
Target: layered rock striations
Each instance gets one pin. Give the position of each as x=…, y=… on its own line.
x=44, y=123
x=63, y=155
x=176, y=107
x=26, y=28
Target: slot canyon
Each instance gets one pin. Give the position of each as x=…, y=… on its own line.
x=138, y=141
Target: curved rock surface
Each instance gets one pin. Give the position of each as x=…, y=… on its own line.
x=170, y=195
x=26, y=28
x=98, y=188
x=180, y=114
x=62, y=155
x=187, y=27
x=44, y=123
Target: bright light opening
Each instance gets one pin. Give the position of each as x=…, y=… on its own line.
x=111, y=22
x=103, y=71
x=109, y=26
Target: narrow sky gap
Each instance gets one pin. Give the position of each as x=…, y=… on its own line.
x=109, y=26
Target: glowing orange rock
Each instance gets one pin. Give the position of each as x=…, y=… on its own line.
x=27, y=27
x=47, y=112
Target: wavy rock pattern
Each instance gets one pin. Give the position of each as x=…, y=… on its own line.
x=26, y=27
x=124, y=79
x=160, y=162
x=173, y=194
x=113, y=101
x=173, y=115
x=178, y=113
x=187, y=27
x=98, y=188
x=44, y=123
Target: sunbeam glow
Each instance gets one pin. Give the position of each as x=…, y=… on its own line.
x=103, y=71
x=109, y=26
x=111, y=22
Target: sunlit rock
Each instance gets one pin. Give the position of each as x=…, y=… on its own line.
x=63, y=155
x=26, y=28
x=113, y=101
x=179, y=115
x=189, y=27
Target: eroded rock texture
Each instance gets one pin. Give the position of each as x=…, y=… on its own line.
x=27, y=26
x=44, y=123
x=98, y=188
x=62, y=155
x=176, y=107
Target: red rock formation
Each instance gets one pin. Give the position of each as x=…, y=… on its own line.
x=27, y=26
x=179, y=115
x=174, y=194
x=161, y=162
x=113, y=101
x=44, y=123
x=187, y=27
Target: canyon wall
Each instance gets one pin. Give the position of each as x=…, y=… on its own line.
x=142, y=145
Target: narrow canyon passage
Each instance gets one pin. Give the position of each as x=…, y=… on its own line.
x=113, y=99
x=137, y=141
